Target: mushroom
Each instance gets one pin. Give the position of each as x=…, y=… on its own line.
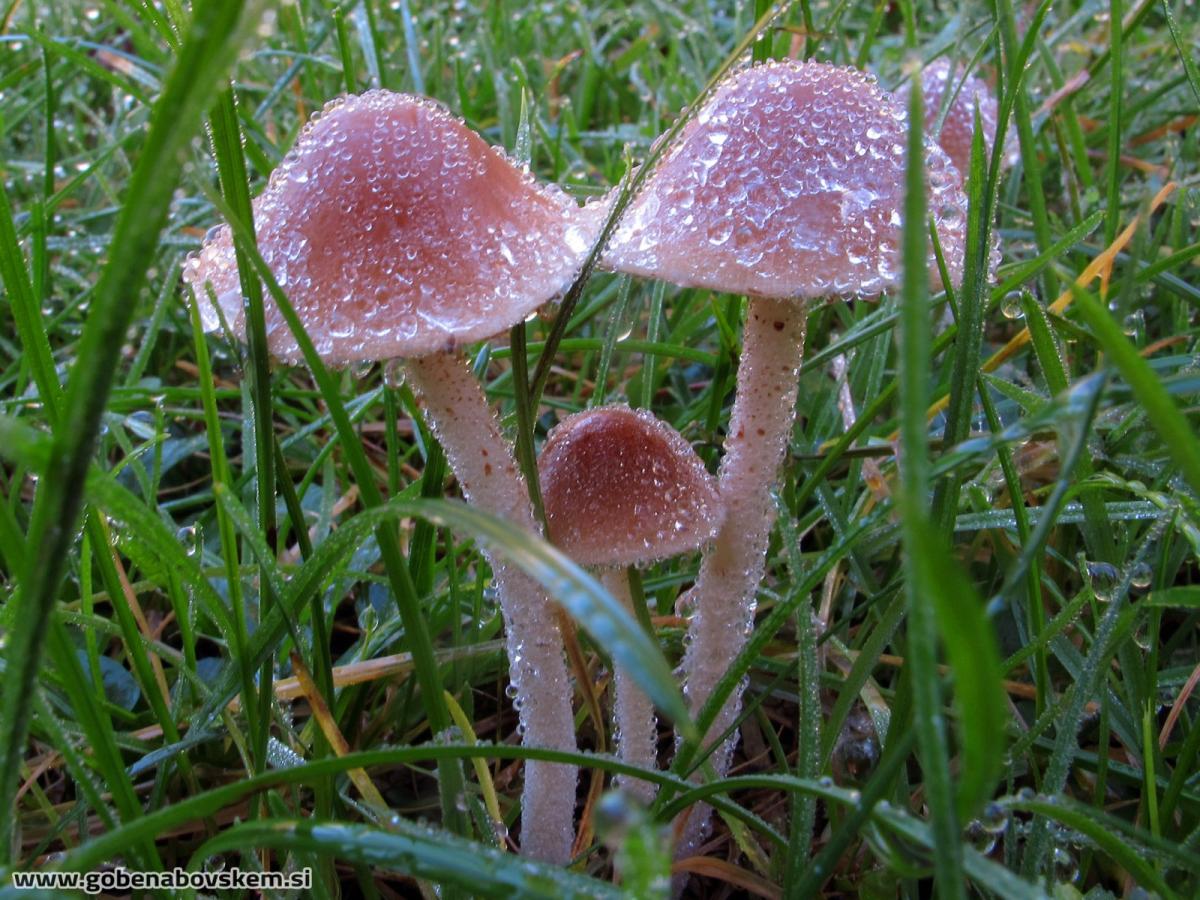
x=397, y=232
x=969, y=93
x=786, y=186
x=623, y=488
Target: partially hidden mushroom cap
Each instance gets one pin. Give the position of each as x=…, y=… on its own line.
x=788, y=183
x=620, y=487
x=395, y=230
x=959, y=125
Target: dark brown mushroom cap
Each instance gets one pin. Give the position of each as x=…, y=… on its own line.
x=788, y=183
x=397, y=231
x=959, y=124
x=621, y=487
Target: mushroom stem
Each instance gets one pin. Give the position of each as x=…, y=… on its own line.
x=459, y=414
x=723, y=596
x=636, y=723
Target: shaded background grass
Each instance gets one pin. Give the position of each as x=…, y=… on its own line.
x=1063, y=477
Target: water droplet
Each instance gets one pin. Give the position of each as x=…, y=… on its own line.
x=1011, y=305
x=1142, y=576
x=1066, y=868
x=1141, y=637
x=994, y=818
x=1134, y=323
x=1105, y=578
x=979, y=837
x=394, y=374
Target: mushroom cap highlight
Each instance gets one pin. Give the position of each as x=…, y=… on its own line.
x=396, y=231
x=621, y=487
x=788, y=183
x=959, y=125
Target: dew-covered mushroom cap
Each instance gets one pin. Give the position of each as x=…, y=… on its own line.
x=395, y=230
x=620, y=487
x=959, y=123
x=788, y=183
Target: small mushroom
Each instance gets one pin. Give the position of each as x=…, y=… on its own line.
x=623, y=488
x=787, y=186
x=396, y=231
x=968, y=93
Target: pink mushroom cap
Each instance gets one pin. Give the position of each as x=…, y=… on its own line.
x=959, y=124
x=788, y=183
x=621, y=487
x=396, y=231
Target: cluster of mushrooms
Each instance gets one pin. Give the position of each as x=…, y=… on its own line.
x=398, y=233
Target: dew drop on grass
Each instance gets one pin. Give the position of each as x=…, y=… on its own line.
x=616, y=813
x=980, y=838
x=1142, y=576
x=1141, y=637
x=856, y=752
x=994, y=818
x=214, y=864
x=394, y=374
x=1064, y=864
x=685, y=605
x=1134, y=324
x=1105, y=578
x=1010, y=306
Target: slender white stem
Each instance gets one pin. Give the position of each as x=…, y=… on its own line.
x=723, y=596
x=482, y=459
x=637, y=725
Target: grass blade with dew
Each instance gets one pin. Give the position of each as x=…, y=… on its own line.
x=417, y=851
x=207, y=52
x=1177, y=433
x=969, y=317
x=918, y=537
x=227, y=146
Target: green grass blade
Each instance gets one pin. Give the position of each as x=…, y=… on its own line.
x=919, y=546
x=1112, y=218
x=1186, y=58
x=1178, y=435
x=27, y=313
x=419, y=852
x=227, y=142
x=969, y=317
x=207, y=52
